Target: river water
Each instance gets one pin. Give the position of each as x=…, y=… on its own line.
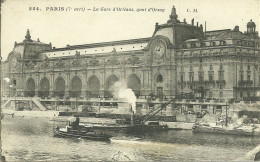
x=31, y=138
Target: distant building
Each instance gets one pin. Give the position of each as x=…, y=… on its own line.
x=179, y=60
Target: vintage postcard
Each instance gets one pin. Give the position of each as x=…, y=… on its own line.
x=129, y=80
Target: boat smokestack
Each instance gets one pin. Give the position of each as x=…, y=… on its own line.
x=132, y=118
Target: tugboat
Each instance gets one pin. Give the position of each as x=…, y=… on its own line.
x=75, y=130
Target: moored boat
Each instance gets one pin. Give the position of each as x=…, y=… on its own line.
x=206, y=128
x=128, y=128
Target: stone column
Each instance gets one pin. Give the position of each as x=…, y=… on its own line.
x=52, y=85
x=84, y=83
x=102, y=84
x=37, y=86
x=67, y=83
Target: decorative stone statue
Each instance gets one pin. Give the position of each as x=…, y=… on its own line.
x=173, y=16
x=173, y=13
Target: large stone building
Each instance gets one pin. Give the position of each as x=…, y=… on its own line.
x=179, y=60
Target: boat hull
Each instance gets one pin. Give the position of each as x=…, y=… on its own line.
x=129, y=128
x=217, y=130
x=82, y=135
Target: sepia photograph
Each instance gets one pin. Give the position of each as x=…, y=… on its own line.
x=129, y=80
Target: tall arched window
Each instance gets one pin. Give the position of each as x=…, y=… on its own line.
x=93, y=86
x=75, y=87
x=134, y=83
x=159, y=78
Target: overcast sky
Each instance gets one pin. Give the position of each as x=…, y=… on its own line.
x=77, y=27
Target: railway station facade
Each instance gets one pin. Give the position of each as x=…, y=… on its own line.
x=179, y=60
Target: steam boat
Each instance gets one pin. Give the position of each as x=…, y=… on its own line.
x=75, y=130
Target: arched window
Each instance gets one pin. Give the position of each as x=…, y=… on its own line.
x=30, y=88
x=75, y=87
x=182, y=78
x=210, y=77
x=44, y=87
x=59, y=87
x=201, y=76
x=14, y=82
x=110, y=81
x=134, y=83
x=159, y=78
x=248, y=76
x=241, y=77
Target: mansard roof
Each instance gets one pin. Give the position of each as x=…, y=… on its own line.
x=216, y=32
x=32, y=42
x=102, y=44
x=225, y=34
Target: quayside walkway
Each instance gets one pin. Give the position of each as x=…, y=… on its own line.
x=39, y=102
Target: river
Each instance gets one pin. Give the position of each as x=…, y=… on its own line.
x=31, y=138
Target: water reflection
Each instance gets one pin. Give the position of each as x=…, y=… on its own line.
x=31, y=139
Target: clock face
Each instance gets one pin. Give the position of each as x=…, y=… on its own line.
x=158, y=48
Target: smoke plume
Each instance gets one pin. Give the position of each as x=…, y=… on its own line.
x=121, y=91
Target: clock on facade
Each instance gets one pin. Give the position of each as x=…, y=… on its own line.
x=158, y=49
